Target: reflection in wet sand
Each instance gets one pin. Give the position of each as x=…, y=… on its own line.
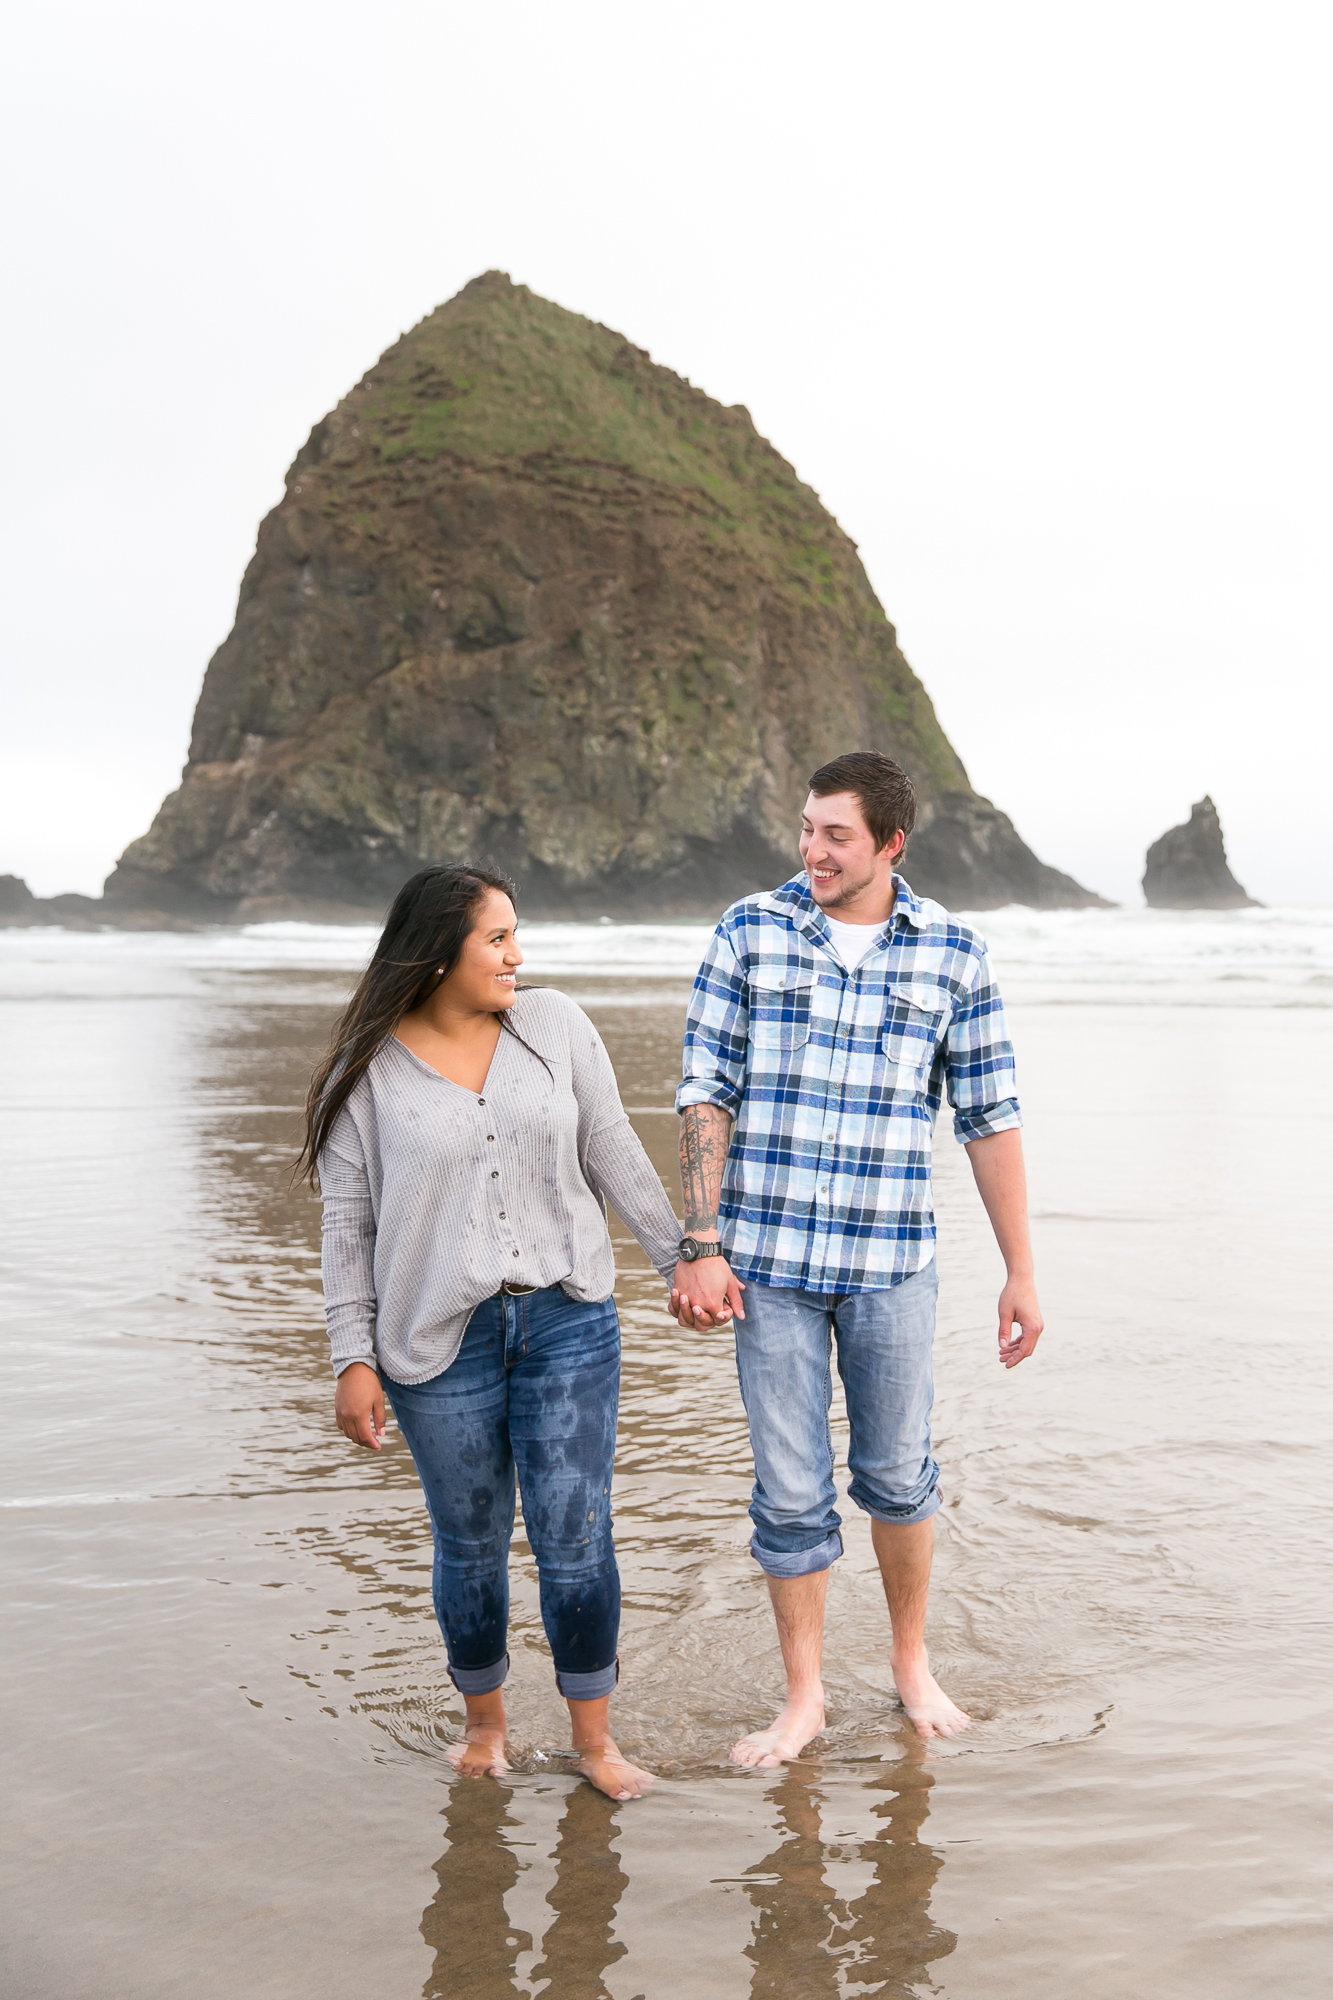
x=481, y=1947
x=818, y=1932
x=531, y=1883
x=579, y=1949
x=466, y=1924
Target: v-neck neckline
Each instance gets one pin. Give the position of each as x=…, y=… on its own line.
x=439, y=1075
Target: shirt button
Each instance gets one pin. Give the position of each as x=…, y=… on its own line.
x=516, y=1253
x=481, y=1100
x=495, y=1173
x=503, y=1216
x=490, y=1135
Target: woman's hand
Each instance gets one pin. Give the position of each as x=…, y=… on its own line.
x=358, y=1405
x=704, y=1295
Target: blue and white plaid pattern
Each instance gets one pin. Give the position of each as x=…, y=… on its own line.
x=834, y=1080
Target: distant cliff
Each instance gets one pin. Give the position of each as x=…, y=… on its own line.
x=1187, y=868
x=21, y=910
x=530, y=596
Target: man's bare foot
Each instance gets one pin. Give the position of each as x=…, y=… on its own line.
x=480, y=1751
x=602, y=1765
x=801, y=1720
x=928, y=1707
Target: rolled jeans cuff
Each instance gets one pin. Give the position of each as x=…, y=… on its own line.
x=588, y=1687
x=902, y=1517
x=797, y=1562
x=480, y=1680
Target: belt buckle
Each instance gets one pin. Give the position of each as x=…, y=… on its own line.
x=515, y=1291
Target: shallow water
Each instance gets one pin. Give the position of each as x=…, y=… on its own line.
x=225, y=1767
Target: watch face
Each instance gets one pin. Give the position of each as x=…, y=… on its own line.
x=687, y=1251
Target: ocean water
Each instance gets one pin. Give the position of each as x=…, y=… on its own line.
x=224, y=1766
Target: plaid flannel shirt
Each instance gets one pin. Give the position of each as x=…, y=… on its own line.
x=834, y=1080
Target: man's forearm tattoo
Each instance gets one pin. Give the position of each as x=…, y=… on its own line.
x=705, y=1138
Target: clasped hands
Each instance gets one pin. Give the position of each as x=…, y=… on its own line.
x=705, y=1295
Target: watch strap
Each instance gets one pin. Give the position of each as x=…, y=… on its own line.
x=700, y=1249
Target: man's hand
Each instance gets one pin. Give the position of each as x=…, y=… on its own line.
x=358, y=1405
x=997, y=1166
x=706, y=1294
x=1020, y=1321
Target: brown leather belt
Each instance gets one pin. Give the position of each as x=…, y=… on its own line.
x=516, y=1291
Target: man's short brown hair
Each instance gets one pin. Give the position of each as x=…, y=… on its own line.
x=881, y=788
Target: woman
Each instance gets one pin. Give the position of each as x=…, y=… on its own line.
x=465, y=1136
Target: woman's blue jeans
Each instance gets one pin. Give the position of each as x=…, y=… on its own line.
x=533, y=1392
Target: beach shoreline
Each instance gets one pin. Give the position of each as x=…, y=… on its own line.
x=231, y=1772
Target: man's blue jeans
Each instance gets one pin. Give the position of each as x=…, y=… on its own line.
x=533, y=1391
x=783, y=1354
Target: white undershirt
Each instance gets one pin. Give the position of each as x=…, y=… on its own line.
x=852, y=941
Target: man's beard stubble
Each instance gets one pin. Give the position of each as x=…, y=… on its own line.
x=846, y=890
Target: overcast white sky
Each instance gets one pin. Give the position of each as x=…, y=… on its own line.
x=1037, y=298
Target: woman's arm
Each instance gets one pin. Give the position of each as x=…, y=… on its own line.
x=347, y=1265
x=619, y=1169
x=611, y=1154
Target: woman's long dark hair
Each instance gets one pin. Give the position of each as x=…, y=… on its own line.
x=421, y=943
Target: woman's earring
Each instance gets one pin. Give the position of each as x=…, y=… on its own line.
x=439, y=971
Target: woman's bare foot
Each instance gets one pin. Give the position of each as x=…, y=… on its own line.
x=480, y=1750
x=597, y=1756
x=801, y=1720
x=602, y=1765
x=928, y=1707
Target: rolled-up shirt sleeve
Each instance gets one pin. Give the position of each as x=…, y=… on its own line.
x=347, y=1250
x=979, y=1062
x=717, y=1029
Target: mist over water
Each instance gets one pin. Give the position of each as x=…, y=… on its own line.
x=229, y=1710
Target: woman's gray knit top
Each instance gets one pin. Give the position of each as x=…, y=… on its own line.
x=433, y=1194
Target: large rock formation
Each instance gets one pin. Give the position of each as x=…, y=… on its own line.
x=531, y=596
x=1187, y=868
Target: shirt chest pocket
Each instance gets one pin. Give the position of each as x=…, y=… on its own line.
x=915, y=1018
x=780, y=1007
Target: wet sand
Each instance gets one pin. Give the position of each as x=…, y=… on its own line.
x=224, y=1767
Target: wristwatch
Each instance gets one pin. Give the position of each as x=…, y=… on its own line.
x=691, y=1249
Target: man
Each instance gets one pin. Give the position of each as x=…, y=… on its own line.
x=827, y=1020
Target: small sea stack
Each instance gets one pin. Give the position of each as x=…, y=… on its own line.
x=20, y=909
x=1187, y=868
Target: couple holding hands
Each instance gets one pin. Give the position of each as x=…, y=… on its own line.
x=467, y=1135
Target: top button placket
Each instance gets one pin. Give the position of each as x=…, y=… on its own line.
x=838, y=1058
